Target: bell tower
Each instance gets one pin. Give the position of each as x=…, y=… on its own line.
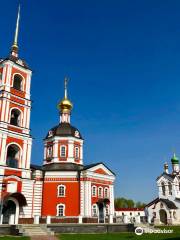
x=15, y=108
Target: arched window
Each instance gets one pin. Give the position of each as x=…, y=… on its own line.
x=63, y=151
x=170, y=188
x=76, y=152
x=163, y=189
x=100, y=192
x=94, y=210
x=15, y=117
x=13, y=155
x=61, y=191
x=106, y=193
x=94, y=191
x=17, y=82
x=49, y=151
x=60, y=210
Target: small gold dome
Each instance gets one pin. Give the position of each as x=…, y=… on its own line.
x=65, y=105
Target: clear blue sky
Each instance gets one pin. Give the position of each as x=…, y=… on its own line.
x=123, y=58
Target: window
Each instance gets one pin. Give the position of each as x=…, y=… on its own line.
x=94, y=210
x=107, y=210
x=15, y=117
x=17, y=82
x=60, y=210
x=100, y=192
x=61, y=190
x=106, y=195
x=170, y=188
x=76, y=152
x=63, y=151
x=94, y=191
x=13, y=155
x=163, y=189
x=49, y=151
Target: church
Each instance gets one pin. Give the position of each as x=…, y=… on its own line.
x=166, y=208
x=63, y=189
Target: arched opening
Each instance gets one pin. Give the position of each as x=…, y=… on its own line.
x=13, y=155
x=163, y=216
x=163, y=189
x=170, y=188
x=17, y=82
x=9, y=211
x=101, y=212
x=15, y=117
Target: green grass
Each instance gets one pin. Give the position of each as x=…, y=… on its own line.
x=13, y=238
x=124, y=236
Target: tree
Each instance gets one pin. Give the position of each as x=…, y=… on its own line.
x=127, y=203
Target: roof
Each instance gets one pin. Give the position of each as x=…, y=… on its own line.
x=96, y=164
x=64, y=130
x=172, y=176
x=169, y=204
x=35, y=167
x=62, y=167
x=129, y=209
x=16, y=60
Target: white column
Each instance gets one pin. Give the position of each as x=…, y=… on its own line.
x=3, y=150
x=111, y=196
x=87, y=199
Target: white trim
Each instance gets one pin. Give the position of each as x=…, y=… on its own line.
x=102, y=192
x=94, y=195
x=61, y=146
x=58, y=190
x=23, y=81
x=57, y=210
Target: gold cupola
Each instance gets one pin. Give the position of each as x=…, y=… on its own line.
x=65, y=105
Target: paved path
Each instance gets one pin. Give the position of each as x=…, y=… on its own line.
x=44, y=238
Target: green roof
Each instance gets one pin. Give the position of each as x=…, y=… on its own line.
x=174, y=159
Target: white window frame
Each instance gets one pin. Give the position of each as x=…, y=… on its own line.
x=76, y=152
x=106, y=195
x=100, y=195
x=63, y=156
x=94, y=194
x=49, y=151
x=57, y=209
x=58, y=190
x=94, y=213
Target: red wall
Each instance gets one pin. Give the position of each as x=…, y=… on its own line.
x=50, y=198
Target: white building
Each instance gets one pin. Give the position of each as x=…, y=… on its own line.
x=166, y=208
x=130, y=215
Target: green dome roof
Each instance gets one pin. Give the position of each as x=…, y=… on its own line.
x=174, y=159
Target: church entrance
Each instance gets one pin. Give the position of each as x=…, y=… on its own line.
x=101, y=212
x=9, y=212
x=163, y=216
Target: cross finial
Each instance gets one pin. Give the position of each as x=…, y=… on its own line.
x=65, y=87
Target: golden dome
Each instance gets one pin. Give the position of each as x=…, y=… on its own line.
x=65, y=105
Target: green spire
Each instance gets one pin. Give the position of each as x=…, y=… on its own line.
x=174, y=159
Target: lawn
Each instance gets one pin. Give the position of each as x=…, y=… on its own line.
x=13, y=238
x=124, y=236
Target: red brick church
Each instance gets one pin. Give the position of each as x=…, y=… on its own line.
x=63, y=189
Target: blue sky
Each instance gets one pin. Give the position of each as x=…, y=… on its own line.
x=123, y=58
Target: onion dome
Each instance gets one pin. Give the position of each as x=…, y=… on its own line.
x=174, y=159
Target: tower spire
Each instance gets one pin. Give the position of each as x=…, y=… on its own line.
x=65, y=106
x=65, y=87
x=14, y=48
